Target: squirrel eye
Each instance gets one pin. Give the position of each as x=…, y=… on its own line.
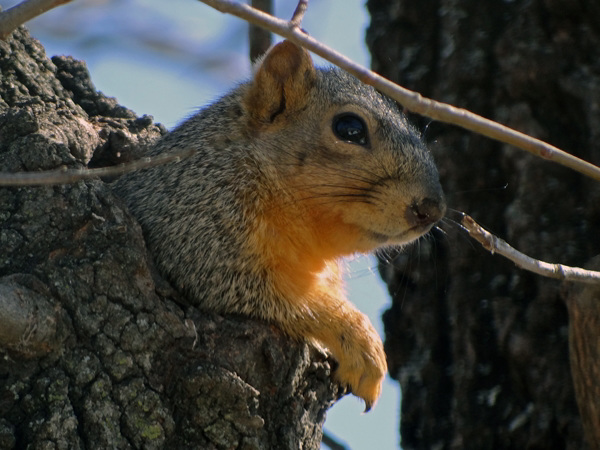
x=350, y=127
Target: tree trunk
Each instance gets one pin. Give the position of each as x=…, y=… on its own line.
x=97, y=351
x=480, y=347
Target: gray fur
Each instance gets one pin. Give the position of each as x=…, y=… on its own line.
x=198, y=215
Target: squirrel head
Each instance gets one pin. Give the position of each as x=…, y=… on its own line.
x=359, y=175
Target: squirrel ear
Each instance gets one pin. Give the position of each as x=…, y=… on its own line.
x=281, y=83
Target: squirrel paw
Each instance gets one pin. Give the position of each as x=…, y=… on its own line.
x=362, y=364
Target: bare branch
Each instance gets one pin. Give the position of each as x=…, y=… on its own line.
x=331, y=442
x=65, y=176
x=24, y=11
x=413, y=101
x=494, y=244
x=298, y=15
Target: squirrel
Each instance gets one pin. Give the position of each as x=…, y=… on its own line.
x=292, y=171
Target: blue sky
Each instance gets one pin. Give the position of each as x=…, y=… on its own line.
x=173, y=57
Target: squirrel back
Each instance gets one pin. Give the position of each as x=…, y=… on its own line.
x=292, y=170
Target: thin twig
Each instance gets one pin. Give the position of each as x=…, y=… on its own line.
x=298, y=15
x=411, y=100
x=64, y=176
x=24, y=11
x=494, y=244
x=332, y=442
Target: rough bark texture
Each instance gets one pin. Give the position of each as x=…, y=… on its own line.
x=97, y=351
x=480, y=347
x=584, y=352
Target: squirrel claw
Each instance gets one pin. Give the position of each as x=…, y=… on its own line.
x=363, y=376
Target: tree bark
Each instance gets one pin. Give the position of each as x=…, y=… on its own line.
x=481, y=348
x=584, y=352
x=97, y=350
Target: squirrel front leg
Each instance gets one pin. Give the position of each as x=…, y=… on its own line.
x=290, y=237
x=350, y=337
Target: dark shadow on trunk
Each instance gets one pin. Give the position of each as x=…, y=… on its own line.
x=480, y=347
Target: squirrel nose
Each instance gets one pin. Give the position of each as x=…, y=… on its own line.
x=425, y=212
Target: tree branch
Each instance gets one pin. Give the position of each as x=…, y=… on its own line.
x=259, y=38
x=298, y=15
x=49, y=177
x=24, y=11
x=494, y=244
x=411, y=100
x=331, y=442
